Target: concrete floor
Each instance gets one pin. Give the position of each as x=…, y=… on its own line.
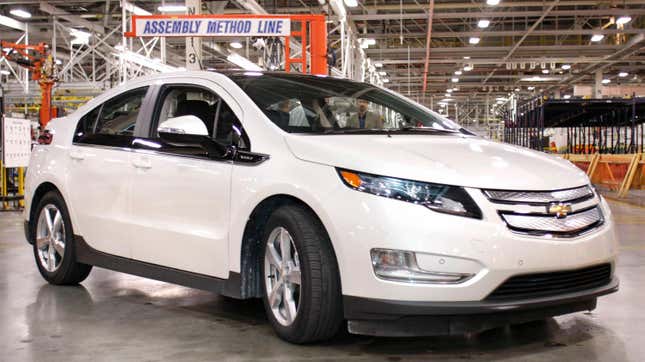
x=117, y=317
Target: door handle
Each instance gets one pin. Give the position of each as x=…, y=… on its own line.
x=142, y=163
x=77, y=155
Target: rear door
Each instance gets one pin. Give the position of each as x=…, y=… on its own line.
x=100, y=172
x=181, y=196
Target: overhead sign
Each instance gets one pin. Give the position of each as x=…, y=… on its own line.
x=209, y=25
x=16, y=142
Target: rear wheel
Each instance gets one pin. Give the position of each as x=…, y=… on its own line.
x=301, y=282
x=54, y=242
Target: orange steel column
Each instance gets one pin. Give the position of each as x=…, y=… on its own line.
x=318, y=48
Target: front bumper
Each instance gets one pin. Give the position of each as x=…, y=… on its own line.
x=378, y=317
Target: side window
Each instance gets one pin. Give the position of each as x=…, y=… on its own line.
x=117, y=116
x=195, y=111
x=86, y=124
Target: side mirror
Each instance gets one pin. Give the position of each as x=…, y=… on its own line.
x=187, y=125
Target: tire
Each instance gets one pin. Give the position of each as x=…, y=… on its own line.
x=64, y=270
x=318, y=299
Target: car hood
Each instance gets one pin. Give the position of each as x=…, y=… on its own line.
x=445, y=159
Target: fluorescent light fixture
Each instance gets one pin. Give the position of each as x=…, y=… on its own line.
x=455, y=89
x=443, y=104
x=23, y=13
x=386, y=81
x=545, y=71
x=492, y=2
x=79, y=36
x=351, y=3
x=566, y=66
x=378, y=65
x=58, y=61
x=449, y=90
x=468, y=68
x=146, y=62
x=236, y=45
x=530, y=87
x=536, y=78
x=4, y=72
x=447, y=95
x=567, y=96
x=466, y=58
x=172, y=8
x=500, y=99
x=446, y=100
x=458, y=72
x=517, y=89
x=483, y=23
x=606, y=81
x=454, y=80
x=623, y=74
x=243, y=63
x=474, y=40
x=623, y=20
x=382, y=73
x=366, y=42
x=500, y=102
x=597, y=37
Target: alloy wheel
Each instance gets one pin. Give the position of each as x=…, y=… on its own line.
x=282, y=276
x=50, y=238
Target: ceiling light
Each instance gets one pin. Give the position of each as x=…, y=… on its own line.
x=545, y=71
x=58, y=61
x=597, y=37
x=446, y=100
x=455, y=89
x=351, y=3
x=20, y=13
x=457, y=72
x=500, y=102
x=536, y=78
x=236, y=45
x=567, y=96
x=4, y=72
x=530, y=88
x=449, y=90
x=386, y=81
x=368, y=41
x=623, y=20
x=474, y=40
x=606, y=81
x=492, y=2
x=623, y=74
x=378, y=65
x=566, y=66
x=517, y=89
x=466, y=58
x=454, y=80
x=483, y=23
x=172, y=8
x=468, y=68
x=382, y=73
x=447, y=95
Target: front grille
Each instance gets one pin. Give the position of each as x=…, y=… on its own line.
x=553, y=283
x=564, y=213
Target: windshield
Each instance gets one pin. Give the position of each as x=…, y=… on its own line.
x=324, y=105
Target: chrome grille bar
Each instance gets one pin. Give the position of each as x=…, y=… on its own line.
x=540, y=197
x=572, y=225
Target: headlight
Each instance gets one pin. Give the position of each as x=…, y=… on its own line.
x=441, y=198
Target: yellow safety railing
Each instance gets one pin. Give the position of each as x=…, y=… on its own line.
x=16, y=199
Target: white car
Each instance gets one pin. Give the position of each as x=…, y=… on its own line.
x=330, y=199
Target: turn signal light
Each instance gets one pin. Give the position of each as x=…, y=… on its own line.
x=351, y=178
x=45, y=138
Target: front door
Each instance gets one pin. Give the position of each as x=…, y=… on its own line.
x=181, y=194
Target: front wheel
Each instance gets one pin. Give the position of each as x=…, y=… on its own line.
x=54, y=242
x=301, y=282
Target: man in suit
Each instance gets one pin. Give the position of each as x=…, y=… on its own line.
x=365, y=119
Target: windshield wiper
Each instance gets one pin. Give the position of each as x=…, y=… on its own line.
x=423, y=129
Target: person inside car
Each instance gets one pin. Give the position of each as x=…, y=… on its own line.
x=365, y=119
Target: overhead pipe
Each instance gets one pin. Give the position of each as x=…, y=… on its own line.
x=428, y=37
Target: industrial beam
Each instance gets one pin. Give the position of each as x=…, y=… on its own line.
x=11, y=23
x=506, y=33
x=74, y=19
x=503, y=14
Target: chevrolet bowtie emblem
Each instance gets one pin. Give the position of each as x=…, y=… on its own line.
x=559, y=210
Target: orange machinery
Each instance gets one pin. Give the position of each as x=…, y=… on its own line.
x=37, y=59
